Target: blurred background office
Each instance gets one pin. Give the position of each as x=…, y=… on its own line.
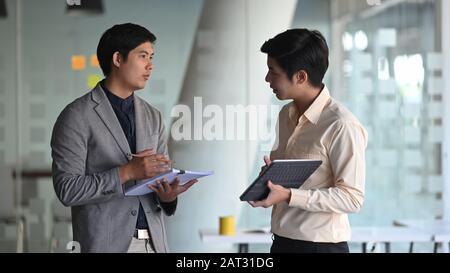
x=389, y=63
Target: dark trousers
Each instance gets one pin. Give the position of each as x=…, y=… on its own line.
x=286, y=245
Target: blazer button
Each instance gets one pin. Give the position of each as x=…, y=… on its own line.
x=133, y=212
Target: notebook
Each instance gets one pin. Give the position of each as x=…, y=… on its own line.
x=185, y=176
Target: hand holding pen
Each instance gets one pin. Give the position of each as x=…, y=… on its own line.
x=143, y=165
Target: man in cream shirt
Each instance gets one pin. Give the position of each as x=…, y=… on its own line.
x=314, y=217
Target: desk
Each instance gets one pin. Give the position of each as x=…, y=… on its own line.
x=388, y=235
x=441, y=239
x=34, y=174
x=241, y=238
x=362, y=235
x=28, y=177
x=423, y=223
x=440, y=229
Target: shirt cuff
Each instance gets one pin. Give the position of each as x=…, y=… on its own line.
x=170, y=207
x=299, y=198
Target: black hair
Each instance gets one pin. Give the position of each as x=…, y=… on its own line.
x=300, y=49
x=121, y=38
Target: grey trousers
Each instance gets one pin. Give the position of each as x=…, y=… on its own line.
x=141, y=246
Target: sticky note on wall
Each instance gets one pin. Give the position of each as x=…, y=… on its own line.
x=78, y=62
x=93, y=79
x=94, y=61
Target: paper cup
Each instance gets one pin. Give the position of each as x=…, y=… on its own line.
x=227, y=225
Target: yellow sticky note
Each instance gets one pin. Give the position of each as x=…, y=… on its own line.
x=93, y=79
x=94, y=61
x=78, y=62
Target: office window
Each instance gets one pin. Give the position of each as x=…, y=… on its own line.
x=388, y=72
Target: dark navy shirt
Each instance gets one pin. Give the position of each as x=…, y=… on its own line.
x=124, y=109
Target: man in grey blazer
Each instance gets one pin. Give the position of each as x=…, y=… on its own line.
x=105, y=141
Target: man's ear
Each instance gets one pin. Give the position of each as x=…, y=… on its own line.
x=301, y=77
x=116, y=59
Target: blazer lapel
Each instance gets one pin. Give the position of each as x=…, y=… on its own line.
x=107, y=115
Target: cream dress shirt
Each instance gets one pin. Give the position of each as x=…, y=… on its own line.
x=328, y=131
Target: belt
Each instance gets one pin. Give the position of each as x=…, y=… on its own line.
x=141, y=234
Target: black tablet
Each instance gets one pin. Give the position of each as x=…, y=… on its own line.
x=290, y=173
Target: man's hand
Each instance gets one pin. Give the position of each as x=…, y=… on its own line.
x=277, y=195
x=145, y=164
x=267, y=161
x=169, y=192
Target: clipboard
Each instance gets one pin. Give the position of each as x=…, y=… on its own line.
x=184, y=175
x=289, y=173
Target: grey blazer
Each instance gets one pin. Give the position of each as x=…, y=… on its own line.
x=88, y=146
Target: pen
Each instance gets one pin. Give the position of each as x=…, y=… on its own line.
x=135, y=155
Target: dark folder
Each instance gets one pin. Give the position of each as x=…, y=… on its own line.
x=291, y=173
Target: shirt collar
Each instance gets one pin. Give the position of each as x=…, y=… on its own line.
x=312, y=114
x=123, y=104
